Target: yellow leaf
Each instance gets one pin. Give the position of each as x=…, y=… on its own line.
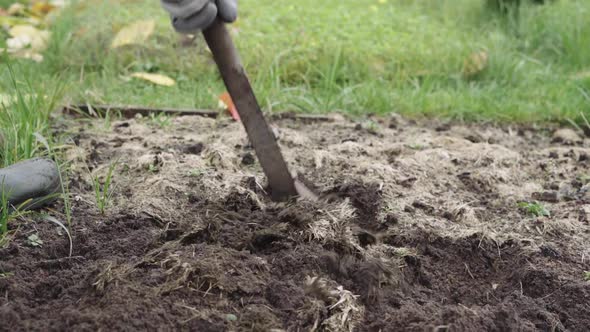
x=42, y=8
x=155, y=78
x=27, y=36
x=16, y=9
x=475, y=64
x=28, y=54
x=135, y=33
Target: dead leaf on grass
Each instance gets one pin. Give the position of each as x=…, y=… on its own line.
x=5, y=100
x=136, y=33
x=37, y=39
x=226, y=102
x=16, y=9
x=27, y=42
x=42, y=8
x=155, y=78
x=475, y=64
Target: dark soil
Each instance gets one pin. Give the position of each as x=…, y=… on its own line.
x=418, y=229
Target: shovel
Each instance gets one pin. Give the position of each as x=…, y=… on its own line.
x=281, y=183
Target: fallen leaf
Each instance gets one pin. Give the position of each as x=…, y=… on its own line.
x=475, y=64
x=27, y=35
x=16, y=9
x=27, y=54
x=27, y=42
x=134, y=34
x=59, y=3
x=18, y=43
x=581, y=75
x=5, y=100
x=155, y=78
x=24, y=54
x=42, y=8
x=226, y=101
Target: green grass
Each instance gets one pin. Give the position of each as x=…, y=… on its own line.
x=351, y=56
x=534, y=209
x=8, y=213
x=5, y=214
x=103, y=190
x=159, y=120
x=26, y=113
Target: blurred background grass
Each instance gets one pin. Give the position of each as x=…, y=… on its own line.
x=353, y=56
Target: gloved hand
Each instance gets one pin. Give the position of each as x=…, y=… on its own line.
x=189, y=16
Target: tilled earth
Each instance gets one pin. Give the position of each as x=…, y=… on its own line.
x=421, y=226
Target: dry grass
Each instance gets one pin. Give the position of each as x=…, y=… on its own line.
x=344, y=312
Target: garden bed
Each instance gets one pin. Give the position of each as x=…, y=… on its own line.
x=420, y=226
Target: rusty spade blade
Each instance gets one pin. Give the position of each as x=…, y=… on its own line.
x=281, y=183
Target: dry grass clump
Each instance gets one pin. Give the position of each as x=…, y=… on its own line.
x=337, y=308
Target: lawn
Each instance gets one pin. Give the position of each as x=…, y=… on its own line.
x=356, y=57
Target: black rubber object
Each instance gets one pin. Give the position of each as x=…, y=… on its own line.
x=34, y=182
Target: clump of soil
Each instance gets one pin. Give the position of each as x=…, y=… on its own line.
x=419, y=227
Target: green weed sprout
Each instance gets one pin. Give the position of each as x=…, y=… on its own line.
x=103, y=193
x=534, y=209
x=4, y=213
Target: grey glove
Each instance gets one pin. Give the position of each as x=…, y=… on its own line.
x=189, y=16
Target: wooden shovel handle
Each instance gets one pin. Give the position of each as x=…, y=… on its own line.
x=273, y=164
